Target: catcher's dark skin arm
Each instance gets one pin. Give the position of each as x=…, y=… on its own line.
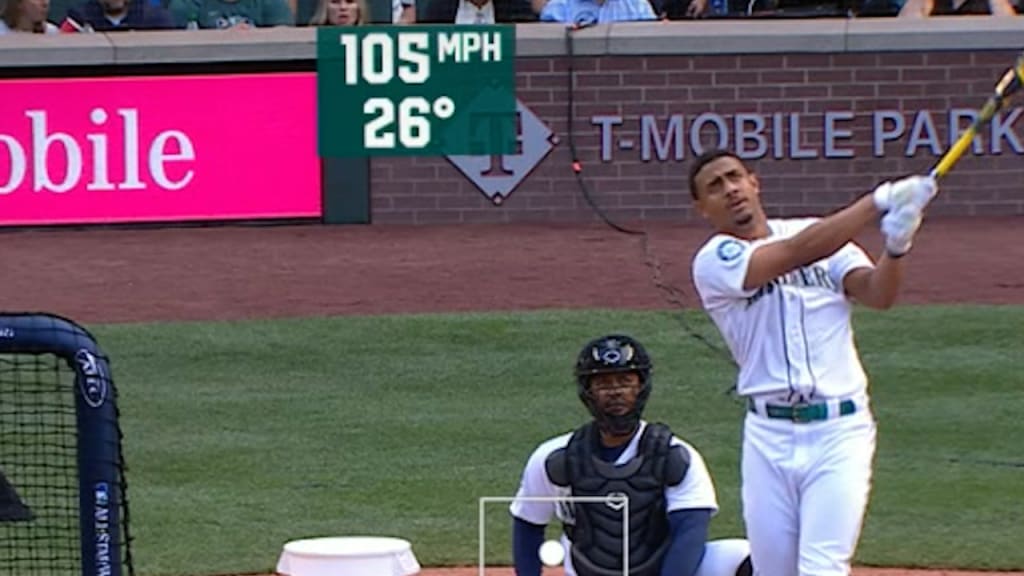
x=878, y=287
x=821, y=239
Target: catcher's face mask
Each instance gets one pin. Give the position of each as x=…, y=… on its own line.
x=613, y=376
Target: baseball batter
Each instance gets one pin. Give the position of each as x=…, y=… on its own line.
x=780, y=293
x=670, y=493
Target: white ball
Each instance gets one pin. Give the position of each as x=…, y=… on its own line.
x=551, y=553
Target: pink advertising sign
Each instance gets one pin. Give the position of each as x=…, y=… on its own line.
x=94, y=150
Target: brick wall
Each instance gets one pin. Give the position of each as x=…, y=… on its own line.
x=861, y=93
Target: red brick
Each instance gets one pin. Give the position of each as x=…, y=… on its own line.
x=548, y=80
x=935, y=104
x=599, y=79
x=715, y=62
x=876, y=75
x=857, y=60
x=923, y=75
x=829, y=76
x=944, y=59
x=900, y=59
x=417, y=202
x=736, y=78
x=646, y=200
x=532, y=65
x=784, y=77
x=620, y=64
x=803, y=61
x=716, y=93
x=529, y=96
x=620, y=96
x=670, y=63
x=807, y=91
x=853, y=91
x=872, y=104
x=644, y=79
x=402, y=218
x=898, y=89
x=448, y=201
x=763, y=92
x=579, y=64
x=381, y=204
x=997, y=58
x=762, y=61
x=674, y=94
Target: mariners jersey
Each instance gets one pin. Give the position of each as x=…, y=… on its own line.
x=695, y=491
x=793, y=334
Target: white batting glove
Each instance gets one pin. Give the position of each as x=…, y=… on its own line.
x=916, y=191
x=899, y=227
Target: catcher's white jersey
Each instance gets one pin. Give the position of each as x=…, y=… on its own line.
x=695, y=491
x=792, y=335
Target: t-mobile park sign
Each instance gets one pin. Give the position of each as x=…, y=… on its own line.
x=779, y=135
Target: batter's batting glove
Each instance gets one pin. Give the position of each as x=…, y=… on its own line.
x=899, y=227
x=916, y=191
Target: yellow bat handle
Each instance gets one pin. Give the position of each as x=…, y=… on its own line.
x=954, y=153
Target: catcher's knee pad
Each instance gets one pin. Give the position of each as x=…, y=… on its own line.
x=727, y=557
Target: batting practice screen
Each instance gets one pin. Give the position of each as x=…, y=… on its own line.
x=62, y=505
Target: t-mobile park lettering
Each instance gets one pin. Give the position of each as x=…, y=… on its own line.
x=781, y=135
x=51, y=151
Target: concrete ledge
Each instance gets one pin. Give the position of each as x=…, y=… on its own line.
x=19, y=50
x=760, y=36
x=171, y=46
x=548, y=39
x=728, y=37
x=957, y=34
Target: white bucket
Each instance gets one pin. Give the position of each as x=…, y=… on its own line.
x=348, y=556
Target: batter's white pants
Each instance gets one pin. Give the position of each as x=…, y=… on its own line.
x=805, y=489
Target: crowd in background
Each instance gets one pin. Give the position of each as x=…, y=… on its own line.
x=56, y=16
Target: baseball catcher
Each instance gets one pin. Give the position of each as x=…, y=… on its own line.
x=615, y=458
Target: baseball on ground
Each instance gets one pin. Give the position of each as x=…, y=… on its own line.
x=551, y=553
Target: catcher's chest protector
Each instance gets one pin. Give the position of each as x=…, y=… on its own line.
x=596, y=529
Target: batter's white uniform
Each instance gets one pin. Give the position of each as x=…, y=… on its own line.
x=721, y=557
x=805, y=485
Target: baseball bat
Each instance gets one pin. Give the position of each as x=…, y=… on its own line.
x=1009, y=84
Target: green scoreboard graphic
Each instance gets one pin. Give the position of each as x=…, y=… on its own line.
x=419, y=90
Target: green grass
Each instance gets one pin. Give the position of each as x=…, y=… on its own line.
x=242, y=436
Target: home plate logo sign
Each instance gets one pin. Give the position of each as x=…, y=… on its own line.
x=497, y=176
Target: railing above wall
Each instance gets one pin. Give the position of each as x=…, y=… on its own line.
x=757, y=36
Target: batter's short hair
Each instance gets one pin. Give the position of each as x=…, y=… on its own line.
x=705, y=158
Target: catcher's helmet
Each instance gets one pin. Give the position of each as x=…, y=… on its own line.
x=608, y=355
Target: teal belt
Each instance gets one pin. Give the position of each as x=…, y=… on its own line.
x=804, y=412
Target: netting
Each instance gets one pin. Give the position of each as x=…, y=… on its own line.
x=39, y=508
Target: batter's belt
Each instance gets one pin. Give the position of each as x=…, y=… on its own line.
x=803, y=412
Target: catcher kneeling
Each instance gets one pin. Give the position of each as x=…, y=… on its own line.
x=619, y=456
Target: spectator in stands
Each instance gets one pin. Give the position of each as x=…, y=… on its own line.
x=341, y=13
x=234, y=14
x=681, y=9
x=926, y=8
x=478, y=11
x=114, y=15
x=27, y=16
x=588, y=12
x=403, y=11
